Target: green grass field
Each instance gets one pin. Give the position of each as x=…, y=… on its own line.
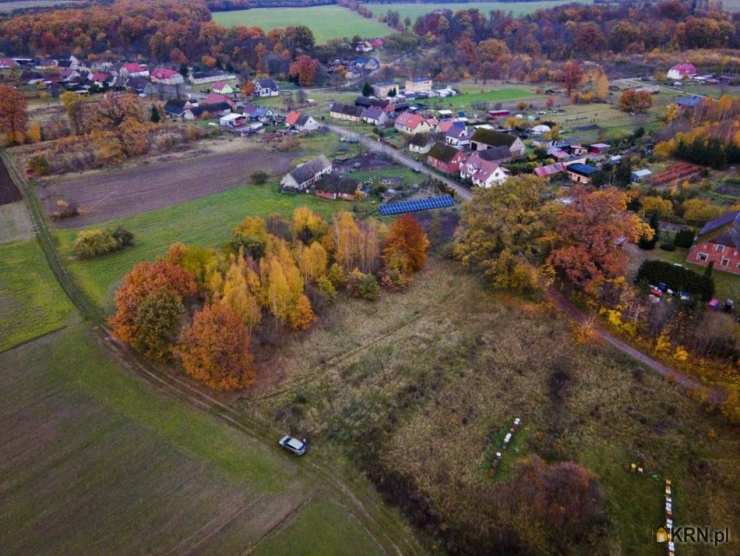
x=320, y=528
x=31, y=301
x=326, y=22
x=103, y=462
x=207, y=221
x=413, y=11
x=472, y=94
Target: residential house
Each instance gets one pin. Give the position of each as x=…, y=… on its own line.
x=258, y=113
x=333, y=186
x=208, y=109
x=681, y=71
x=166, y=76
x=374, y=115
x=133, y=69
x=346, y=112
x=718, y=242
x=175, y=108
x=367, y=102
x=411, y=123
x=540, y=129
x=232, y=120
x=385, y=88
x=420, y=85
x=222, y=88
x=444, y=125
x=305, y=175
x=599, y=148
x=458, y=136
x=579, y=172
x=420, y=143
x=301, y=122
x=266, y=88
x=550, y=170
x=446, y=159
x=215, y=98
x=481, y=171
x=483, y=139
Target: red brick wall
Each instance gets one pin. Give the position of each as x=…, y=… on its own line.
x=703, y=253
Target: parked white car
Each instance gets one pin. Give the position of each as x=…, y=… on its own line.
x=297, y=447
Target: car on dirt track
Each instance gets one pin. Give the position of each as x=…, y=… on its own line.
x=297, y=447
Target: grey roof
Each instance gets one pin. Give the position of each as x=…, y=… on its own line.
x=347, y=109
x=493, y=138
x=730, y=218
x=495, y=154
x=456, y=131
x=332, y=183
x=582, y=169
x=302, y=119
x=373, y=113
x=442, y=152
x=308, y=170
x=267, y=84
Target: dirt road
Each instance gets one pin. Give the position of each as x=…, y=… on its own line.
x=103, y=196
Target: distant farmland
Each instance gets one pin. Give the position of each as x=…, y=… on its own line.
x=326, y=22
x=413, y=10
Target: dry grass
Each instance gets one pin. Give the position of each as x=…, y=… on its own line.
x=431, y=376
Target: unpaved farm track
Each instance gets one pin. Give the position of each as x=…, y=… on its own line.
x=103, y=196
x=377, y=520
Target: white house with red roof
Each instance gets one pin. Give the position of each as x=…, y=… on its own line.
x=166, y=76
x=682, y=71
x=412, y=123
x=483, y=172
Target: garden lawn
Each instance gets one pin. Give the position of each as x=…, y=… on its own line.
x=477, y=93
x=326, y=22
x=414, y=10
x=31, y=301
x=207, y=221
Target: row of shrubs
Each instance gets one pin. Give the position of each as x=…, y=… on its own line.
x=677, y=278
x=94, y=243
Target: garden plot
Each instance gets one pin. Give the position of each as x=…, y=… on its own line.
x=103, y=196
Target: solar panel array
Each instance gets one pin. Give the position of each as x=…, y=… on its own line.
x=390, y=209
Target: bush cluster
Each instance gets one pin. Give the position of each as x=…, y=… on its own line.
x=96, y=242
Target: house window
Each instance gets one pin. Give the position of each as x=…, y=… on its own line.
x=719, y=248
x=725, y=261
x=703, y=257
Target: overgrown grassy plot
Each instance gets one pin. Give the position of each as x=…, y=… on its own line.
x=414, y=10
x=207, y=221
x=446, y=363
x=31, y=302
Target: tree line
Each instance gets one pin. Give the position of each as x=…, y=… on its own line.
x=203, y=307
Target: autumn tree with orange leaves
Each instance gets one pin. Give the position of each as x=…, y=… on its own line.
x=589, y=234
x=149, y=307
x=13, y=116
x=304, y=70
x=405, y=250
x=215, y=349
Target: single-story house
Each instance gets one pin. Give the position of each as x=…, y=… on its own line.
x=306, y=123
x=259, y=113
x=175, y=108
x=420, y=143
x=232, y=120
x=458, y=136
x=718, y=242
x=216, y=98
x=384, y=88
x=483, y=139
x=549, y=170
x=367, y=102
x=599, y=148
x=411, y=123
x=681, y=71
x=347, y=112
x=446, y=159
x=166, y=76
x=133, y=69
x=333, y=186
x=305, y=175
x=374, y=115
x=419, y=85
x=580, y=172
x=266, y=88
x=640, y=175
